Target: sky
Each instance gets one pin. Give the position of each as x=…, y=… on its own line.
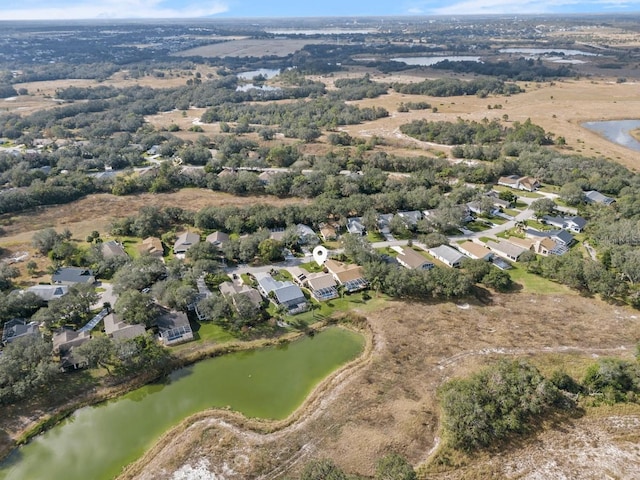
x=91, y=9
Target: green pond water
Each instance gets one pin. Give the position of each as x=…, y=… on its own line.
x=96, y=442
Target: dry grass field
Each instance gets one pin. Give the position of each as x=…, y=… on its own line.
x=389, y=404
x=559, y=107
x=96, y=212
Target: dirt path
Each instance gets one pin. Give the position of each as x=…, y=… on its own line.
x=389, y=403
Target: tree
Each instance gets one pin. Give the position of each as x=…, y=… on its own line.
x=270, y=250
x=44, y=240
x=138, y=274
x=322, y=470
x=99, y=351
x=498, y=279
x=26, y=368
x=136, y=308
x=571, y=192
x=7, y=273
x=394, y=467
x=542, y=207
x=215, y=308
x=494, y=403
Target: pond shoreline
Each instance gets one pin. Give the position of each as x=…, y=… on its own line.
x=101, y=394
x=245, y=425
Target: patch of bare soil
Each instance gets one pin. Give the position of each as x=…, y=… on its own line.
x=389, y=404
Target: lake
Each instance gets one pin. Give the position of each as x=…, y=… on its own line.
x=97, y=442
x=265, y=72
x=617, y=131
x=546, y=51
x=428, y=61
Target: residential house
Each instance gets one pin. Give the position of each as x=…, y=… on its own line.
x=593, y=196
x=355, y=226
x=299, y=275
x=73, y=276
x=561, y=237
x=529, y=184
x=219, y=239
x=112, y=249
x=350, y=276
x=277, y=234
x=284, y=293
x=384, y=223
x=497, y=201
x=48, y=292
x=119, y=330
x=306, y=235
x=506, y=249
x=173, y=327
x=267, y=176
x=18, y=328
x=151, y=246
x=184, y=242
x=475, y=250
x=328, y=232
x=544, y=246
x=322, y=286
x=231, y=290
x=410, y=218
x=447, y=255
x=575, y=224
x=64, y=343
x=227, y=173
x=409, y=258
x=65, y=339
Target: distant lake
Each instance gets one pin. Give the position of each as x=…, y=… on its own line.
x=251, y=86
x=428, y=61
x=265, y=72
x=323, y=31
x=545, y=51
x=617, y=131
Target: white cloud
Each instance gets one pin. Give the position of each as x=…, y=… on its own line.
x=472, y=7
x=113, y=9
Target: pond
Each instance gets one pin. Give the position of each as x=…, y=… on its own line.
x=264, y=72
x=617, y=131
x=547, y=51
x=428, y=61
x=97, y=442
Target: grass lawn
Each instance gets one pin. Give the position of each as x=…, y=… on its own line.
x=476, y=226
x=520, y=193
x=210, y=332
x=311, y=267
x=511, y=212
x=342, y=304
x=130, y=245
x=375, y=237
x=537, y=225
x=533, y=283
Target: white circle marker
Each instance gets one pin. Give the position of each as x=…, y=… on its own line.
x=320, y=255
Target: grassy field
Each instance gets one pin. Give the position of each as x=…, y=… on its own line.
x=390, y=404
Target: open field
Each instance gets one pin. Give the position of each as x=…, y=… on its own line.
x=390, y=403
x=559, y=107
x=95, y=212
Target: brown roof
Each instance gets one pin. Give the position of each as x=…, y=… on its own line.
x=151, y=246
x=318, y=281
x=521, y=242
x=412, y=258
x=344, y=272
x=474, y=249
